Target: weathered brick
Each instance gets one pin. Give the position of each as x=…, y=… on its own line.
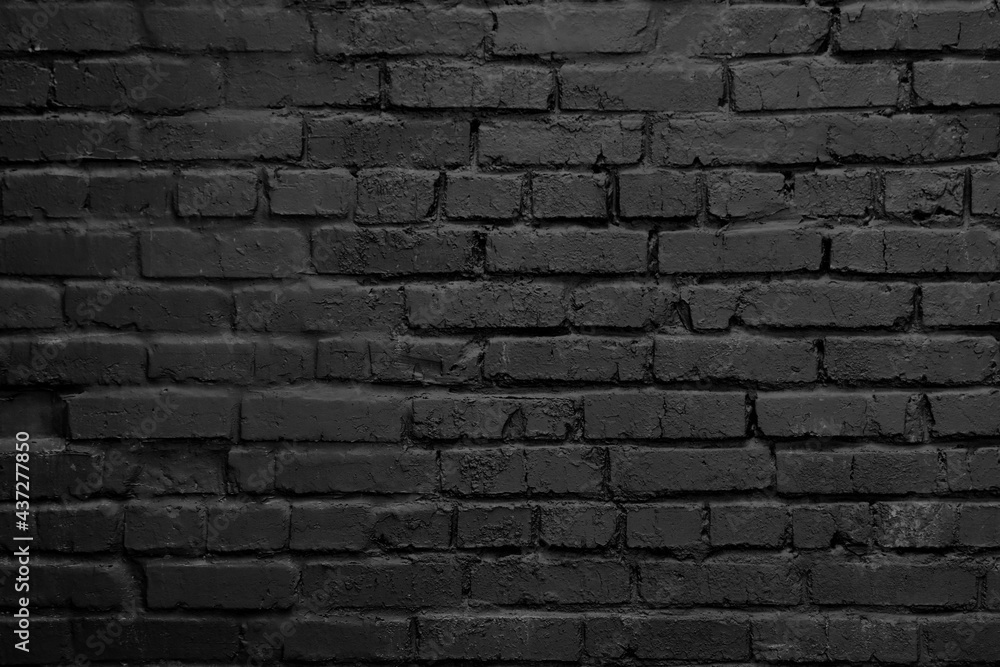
x=566, y=251
x=867, y=27
x=568, y=140
x=492, y=418
x=483, y=526
x=321, y=414
x=575, y=196
x=571, y=29
x=950, y=304
x=768, y=360
x=670, y=415
x=352, y=250
x=533, y=581
x=658, y=194
x=911, y=359
x=924, y=193
x=257, y=27
x=750, y=251
x=269, y=81
x=354, y=140
x=485, y=196
x=152, y=413
x=386, y=583
x=318, y=305
x=889, y=582
x=357, y=469
x=721, y=582
x=401, y=31
x=528, y=637
x=757, y=525
x=577, y=525
x=567, y=358
x=664, y=526
x=833, y=414
x=642, y=472
x=830, y=192
x=737, y=194
x=220, y=584
x=473, y=305
x=438, y=85
x=640, y=87
x=814, y=84
x=241, y=253
x=742, y=29
x=311, y=192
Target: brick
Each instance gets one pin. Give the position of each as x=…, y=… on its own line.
x=933, y=28
x=570, y=29
x=834, y=193
x=735, y=194
x=297, y=414
x=25, y=84
x=530, y=637
x=440, y=85
x=357, y=469
x=268, y=81
x=721, y=582
x=568, y=140
x=318, y=305
x=801, y=472
x=220, y=584
x=965, y=413
x=67, y=137
x=239, y=361
x=125, y=193
x=664, y=526
x=167, y=470
x=97, y=585
x=217, y=193
x=924, y=193
x=472, y=305
x=52, y=193
x=145, y=84
x=533, y=581
x=242, y=253
x=668, y=637
x=887, y=639
x=483, y=196
x=250, y=469
x=577, y=525
x=714, y=140
x=973, y=469
x=567, y=359
x=34, y=251
x=866, y=471
x=751, y=251
x=569, y=196
x=889, y=582
x=165, y=638
x=222, y=135
x=951, y=304
x=640, y=87
x=484, y=526
x=789, y=637
x=658, y=194
x=820, y=526
x=54, y=637
x=235, y=526
x=392, y=196
x=846, y=305
x=559, y=470
x=413, y=526
x=76, y=360
x=985, y=191
x=228, y=28
x=911, y=359
x=80, y=528
x=311, y=192
x=753, y=359
x=743, y=29
x=566, y=251
x=978, y=527
x=621, y=305
x=352, y=250
x=165, y=528
x=384, y=583
x=351, y=140
x=915, y=525
x=347, y=638
x=483, y=472
x=833, y=414
x=643, y=472
x=952, y=83
x=401, y=31
x=914, y=251
x=911, y=138
x=29, y=305
x=968, y=638
x=445, y=361
x=325, y=526
x=59, y=474
x=666, y=415
x=151, y=413
x=814, y=84
x=148, y=306
x=492, y=418
x=100, y=26
x=757, y=525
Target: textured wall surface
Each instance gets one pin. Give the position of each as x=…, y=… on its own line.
x=556, y=332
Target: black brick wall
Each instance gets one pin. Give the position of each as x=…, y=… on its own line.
x=605, y=333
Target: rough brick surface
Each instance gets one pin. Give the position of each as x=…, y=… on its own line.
x=505, y=334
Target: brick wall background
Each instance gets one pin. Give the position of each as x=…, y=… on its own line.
x=572, y=332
